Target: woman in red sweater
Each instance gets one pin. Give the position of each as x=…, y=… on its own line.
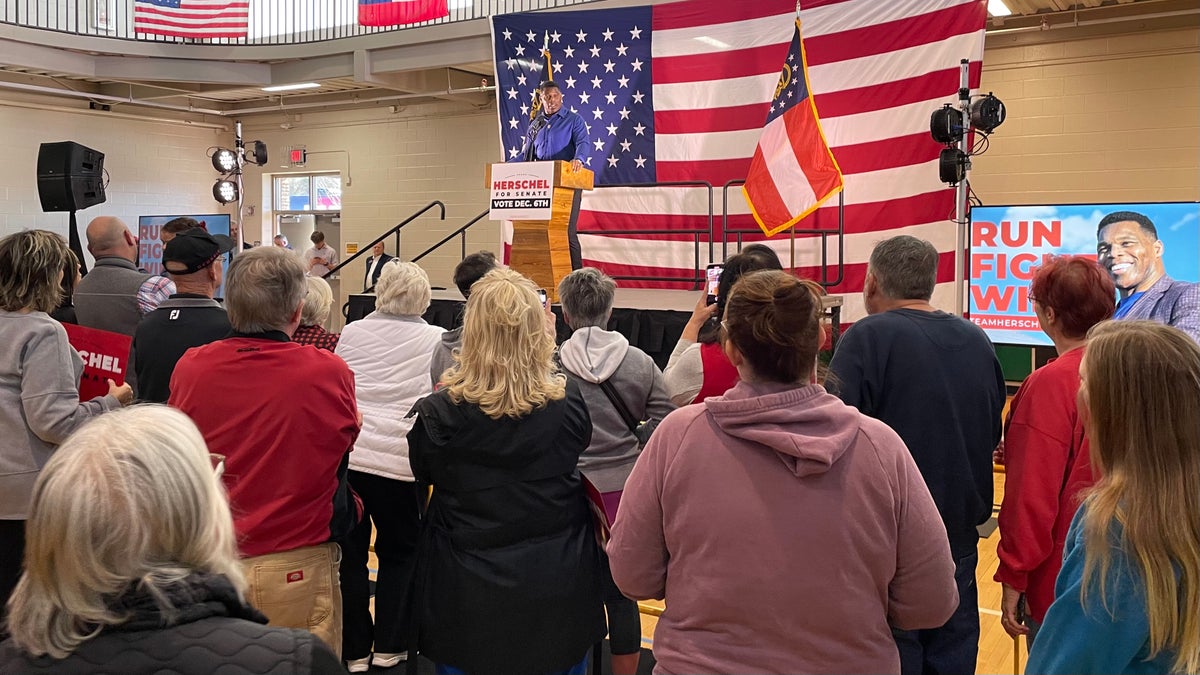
x=1045, y=449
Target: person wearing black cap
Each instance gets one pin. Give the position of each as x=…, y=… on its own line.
x=556, y=133
x=189, y=318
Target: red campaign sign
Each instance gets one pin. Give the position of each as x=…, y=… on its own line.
x=105, y=357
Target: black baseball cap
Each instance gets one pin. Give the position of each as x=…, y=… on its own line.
x=193, y=250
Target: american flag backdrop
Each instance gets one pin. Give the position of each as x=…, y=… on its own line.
x=192, y=18
x=680, y=91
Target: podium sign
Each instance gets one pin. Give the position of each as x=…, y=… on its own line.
x=521, y=191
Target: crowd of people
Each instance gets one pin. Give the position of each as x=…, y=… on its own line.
x=522, y=495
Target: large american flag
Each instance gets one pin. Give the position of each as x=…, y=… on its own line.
x=192, y=18
x=679, y=92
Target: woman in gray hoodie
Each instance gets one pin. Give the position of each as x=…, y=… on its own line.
x=599, y=359
x=39, y=382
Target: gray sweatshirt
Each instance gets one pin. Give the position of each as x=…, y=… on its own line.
x=594, y=355
x=39, y=402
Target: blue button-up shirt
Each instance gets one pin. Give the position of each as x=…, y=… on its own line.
x=564, y=137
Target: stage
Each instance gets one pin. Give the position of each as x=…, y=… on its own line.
x=651, y=319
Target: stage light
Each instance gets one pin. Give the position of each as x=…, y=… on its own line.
x=224, y=160
x=987, y=113
x=225, y=191
x=256, y=153
x=952, y=165
x=946, y=125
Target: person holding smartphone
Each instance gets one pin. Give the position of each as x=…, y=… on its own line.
x=698, y=367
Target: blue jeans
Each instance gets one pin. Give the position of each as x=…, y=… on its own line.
x=953, y=648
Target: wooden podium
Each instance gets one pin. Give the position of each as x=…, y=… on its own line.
x=540, y=248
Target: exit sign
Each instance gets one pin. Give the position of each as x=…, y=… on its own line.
x=297, y=155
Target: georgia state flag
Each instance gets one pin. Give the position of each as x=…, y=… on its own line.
x=395, y=12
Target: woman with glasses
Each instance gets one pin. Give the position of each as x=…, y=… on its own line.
x=1045, y=445
x=132, y=566
x=786, y=531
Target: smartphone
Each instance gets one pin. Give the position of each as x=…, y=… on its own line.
x=544, y=297
x=712, y=280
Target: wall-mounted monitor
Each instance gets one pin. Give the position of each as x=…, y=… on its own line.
x=1008, y=243
x=150, y=240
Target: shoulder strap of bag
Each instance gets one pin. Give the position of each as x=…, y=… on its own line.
x=619, y=404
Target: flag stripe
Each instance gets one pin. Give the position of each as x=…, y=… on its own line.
x=719, y=65
x=882, y=38
x=677, y=15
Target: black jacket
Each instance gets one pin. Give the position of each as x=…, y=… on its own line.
x=383, y=260
x=508, y=569
x=211, y=631
x=181, y=322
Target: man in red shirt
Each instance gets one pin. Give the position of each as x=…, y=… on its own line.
x=284, y=416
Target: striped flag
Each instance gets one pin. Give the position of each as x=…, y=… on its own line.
x=684, y=99
x=792, y=171
x=396, y=12
x=191, y=18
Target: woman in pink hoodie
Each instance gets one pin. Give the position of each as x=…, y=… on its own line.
x=787, y=532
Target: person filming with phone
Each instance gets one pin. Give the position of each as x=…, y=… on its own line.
x=558, y=134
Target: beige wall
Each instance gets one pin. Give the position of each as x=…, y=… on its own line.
x=398, y=163
x=155, y=168
x=1104, y=119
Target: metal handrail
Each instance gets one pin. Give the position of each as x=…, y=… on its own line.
x=462, y=231
x=394, y=230
x=698, y=277
x=823, y=233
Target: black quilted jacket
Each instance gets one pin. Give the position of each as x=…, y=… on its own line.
x=211, y=632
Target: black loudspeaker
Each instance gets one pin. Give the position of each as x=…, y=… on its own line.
x=70, y=176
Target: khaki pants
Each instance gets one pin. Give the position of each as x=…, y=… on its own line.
x=299, y=589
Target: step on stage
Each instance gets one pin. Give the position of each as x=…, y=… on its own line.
x=651, y=319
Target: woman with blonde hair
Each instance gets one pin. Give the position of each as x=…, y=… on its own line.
x=39, y=381
x=508, y=571
x=1128, y=595
x=132, y=567
x=318, y=298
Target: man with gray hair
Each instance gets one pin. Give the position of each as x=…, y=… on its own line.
x=934, y=378
x=626, y=399
x=284, y=416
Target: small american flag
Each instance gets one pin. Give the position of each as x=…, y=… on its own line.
x=192, y=18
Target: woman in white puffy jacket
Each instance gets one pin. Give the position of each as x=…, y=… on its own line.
x=389, y=351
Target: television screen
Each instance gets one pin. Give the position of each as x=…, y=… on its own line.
x=1008, y=243
x=150, y=242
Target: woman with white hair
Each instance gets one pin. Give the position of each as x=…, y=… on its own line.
x=131, y=565
x=508, y=575
x=318, y=298
x=390, y=351
x=39, y=381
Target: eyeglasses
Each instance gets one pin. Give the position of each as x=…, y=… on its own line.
x=218, y=464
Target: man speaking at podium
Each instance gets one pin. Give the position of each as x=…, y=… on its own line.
x=556, y=133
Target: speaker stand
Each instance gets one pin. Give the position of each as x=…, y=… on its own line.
x=75, y=245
